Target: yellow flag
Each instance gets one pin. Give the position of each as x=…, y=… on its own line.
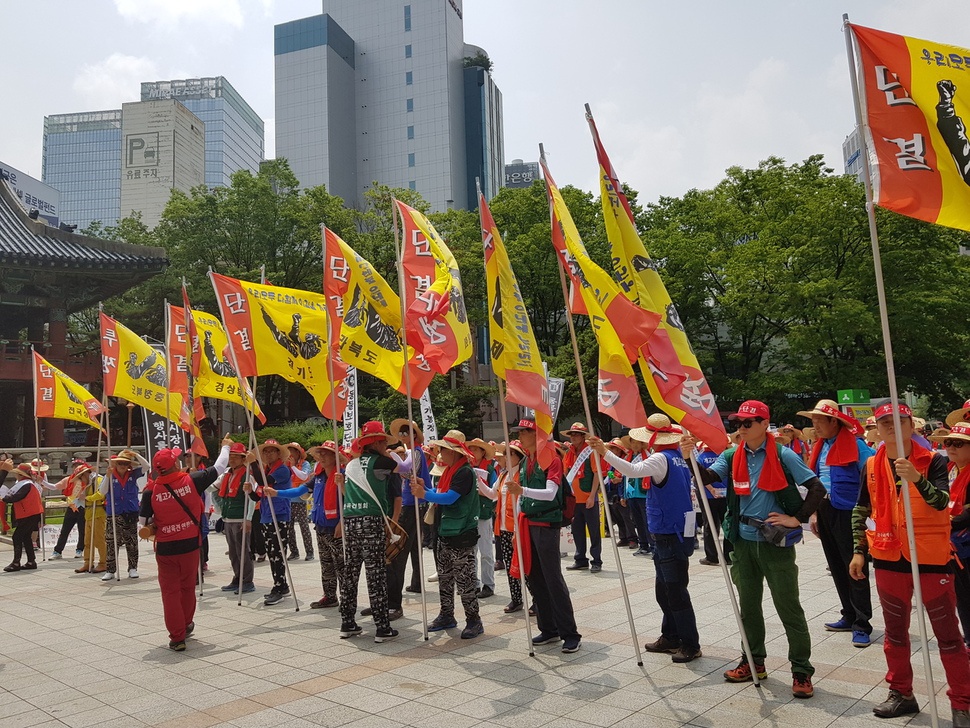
x=57, y=395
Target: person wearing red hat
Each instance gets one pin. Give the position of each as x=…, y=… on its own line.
x=27, y=507
x=924, y=473
x=581, y=477
x=302, y=471
x=231, y=499
x=372, y=493
x=762, y=480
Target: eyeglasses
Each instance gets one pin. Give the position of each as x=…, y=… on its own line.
x=404, y=432
x=954, y=443
x=748, y=423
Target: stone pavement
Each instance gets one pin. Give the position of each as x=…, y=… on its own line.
x=78, y=652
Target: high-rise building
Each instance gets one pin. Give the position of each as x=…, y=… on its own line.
x=400, y=66
x=852, y=152
x=82, y=161
x=164, y=150
x=484, y=138
x=521, y=174
x=234, y=137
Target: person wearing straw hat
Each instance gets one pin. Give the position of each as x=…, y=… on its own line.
x=85, y=490
x=372, y=494
x=71, y=487
x=542, y=497
x=508, y=457
x=122, y=505
x=277, y=475
x=670, y=514
x=961, y=414
x=412, y=438
x=957, y=444
x=483, y=462
x=580, y=476
x=615, y=484
x=762, y=479
x=325, y=515
x=838, y=456
x=27, y=507
x=456, y=495
x=302, y=471
x=924, y=473
x=231, y=498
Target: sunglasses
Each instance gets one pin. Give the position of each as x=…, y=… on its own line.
x=404, y=432
x=748, y=423
x=954, y=443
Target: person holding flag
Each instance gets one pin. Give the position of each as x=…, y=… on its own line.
x=580, y=477
x=302, y=471
x=121, y=488
x=411, y=436
x=326, y=518
x=72, y=489
x=231, y=499
x=85, y=490
x=277, y=475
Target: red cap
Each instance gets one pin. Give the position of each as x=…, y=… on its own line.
x=886, y=410
x=524, y=425
x=750, y=409
x=237, y=448
x=166, y=458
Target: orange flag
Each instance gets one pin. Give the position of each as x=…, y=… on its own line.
x=57, y=395
x=916, y=106
x=670, y=369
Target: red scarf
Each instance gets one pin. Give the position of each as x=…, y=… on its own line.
x=884, y=495
x=229, y=487
x=958, y=491
x=330, y=506
x=444, y=482
x=843, y=451
x=772, y=476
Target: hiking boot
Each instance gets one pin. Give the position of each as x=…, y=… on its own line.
x=742, y=673
x=662, y=645
x=472, y=630
x=442, y=622
x=348, y=630
x=801, y=685
x=896, y=705
x=385, y=634
x=685, y=654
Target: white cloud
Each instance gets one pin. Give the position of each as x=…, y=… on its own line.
x=116, y=79
x=169, y=13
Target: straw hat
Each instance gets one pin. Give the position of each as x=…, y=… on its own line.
x=122, y=457
x=873, y=437
x=298, y=447
x=793, y=432
x=402, y=424
x=658, y=432
x=454, y=440
x=517, y=446
x=328, y=445
x=23, y=470
x=79, y=470
x=870, y=422
x=271, y=443
x=577, y=428
x=918, y=423
x=960, y=431
x=488, y=447
x=39, y=466
x=828, y=408
x=617, y=443
x=437, y=469
x=959, y=415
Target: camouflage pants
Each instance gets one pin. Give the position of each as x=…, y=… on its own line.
x=456, y=568
x=331, y=554
x=366, y=540
x=298, y=515
x=126, y=526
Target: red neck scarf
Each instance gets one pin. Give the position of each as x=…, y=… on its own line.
x=843, y=451
x=772, y=476
x=884, y=495
x=229, y=487
x=958, y=491
x=330, y=505
x=444, y=482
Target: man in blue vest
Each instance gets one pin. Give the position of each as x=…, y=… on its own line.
x=670, y=516
x=838, y=457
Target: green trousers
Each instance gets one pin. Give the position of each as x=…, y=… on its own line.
x=752, y=564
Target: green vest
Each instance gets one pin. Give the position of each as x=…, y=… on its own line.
x=487, y=505
x=462, y=515
x=537, y=510
x=789, y=499
x=357, y=502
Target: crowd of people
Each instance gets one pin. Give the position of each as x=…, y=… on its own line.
x=482, y=507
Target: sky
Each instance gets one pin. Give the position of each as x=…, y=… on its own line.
x=680, y=90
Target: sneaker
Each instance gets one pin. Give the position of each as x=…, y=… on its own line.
x=595, y=568
x=685, y=654
x=272, y=598
x=513, y=607
x=896, y=705
x=384, y=634
x=571, y=645
x=742, y=673
x=843, y=625
x=485, y=592
x=544, y=638
x=472, y=630
x=433, y=578
x=801, y=685
x=640, y=552
x=189, y=629
x=860, y=639
x=132, y=573
x=178, y=646
x=324, y=602
x=349, y=630
x=108, y=576
x=394, y=614
x=79, y=554
x=708, y=562
x=248, y=587
x=961, y=718
x=442, y=622
x=662, y=645
x=308, y=557
x=294, y=556
x=577, y=566
x=56, y=555
x=231, y=587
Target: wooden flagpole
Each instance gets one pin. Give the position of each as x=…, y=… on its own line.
x=43, y=500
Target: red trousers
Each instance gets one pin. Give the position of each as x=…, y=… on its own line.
x=896, y=595
x=176, y=577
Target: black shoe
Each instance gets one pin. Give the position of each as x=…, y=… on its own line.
x=473, y=630
x=662, y=645
x=595, y=568
x=896, y=705
x=499, y=566
x=308, y=557
x=12, y=567
x=234, y=587
x=177, y=646
x=576, y=566
x=294, y=556
x=532, y=610
x=395, y=614
x=272, y=598
x=708, y=562
x=686, y=655
x=324, y=603
x=571, y=645
x=413, y=589
x=366, y=612
x=349, y=630
x=485, y=592
x=442, y=622
x=961, y=718
x=189, y=629
x=384, y=634
x=513, y=607
x=544, y=638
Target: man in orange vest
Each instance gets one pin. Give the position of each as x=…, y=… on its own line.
x=578, y=466
x=27, y=507
x=925, y=474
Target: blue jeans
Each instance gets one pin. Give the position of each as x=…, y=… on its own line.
x=670, y=557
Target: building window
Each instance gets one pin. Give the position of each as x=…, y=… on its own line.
x=408, y=78
x=410, y=103
x=407, y=18
x=412, y=185
x=410, y=132
x=407, y=51
x=411, y=159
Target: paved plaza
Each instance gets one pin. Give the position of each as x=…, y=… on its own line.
x=78, y=652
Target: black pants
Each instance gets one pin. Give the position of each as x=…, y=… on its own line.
x=587, y=519
x=396, y=569
x=277, y=558
x=22, y=538
x=961, y=585
x=72, y=518
x=507, y=542
x=257, y=544
x=638, y=511
x=835, y=532
x=554, y=608
x=713, y=530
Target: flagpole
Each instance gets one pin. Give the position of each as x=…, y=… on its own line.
x=890, y=366
x=110, y=478
x=596, y=459
x=94, y=489
x=250, y=417
x=189, y=404
x=168, y=380
x=399, y=246
x=43, y=505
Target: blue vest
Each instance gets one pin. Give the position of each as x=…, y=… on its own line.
x=845, y=485
x=669, y=500
x=317, y=513
x=125, y=494
x=631, y=486
x=282, y=478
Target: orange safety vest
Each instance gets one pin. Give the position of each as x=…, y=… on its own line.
x=505, y=515
x=32, y=505
x=932, y=527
